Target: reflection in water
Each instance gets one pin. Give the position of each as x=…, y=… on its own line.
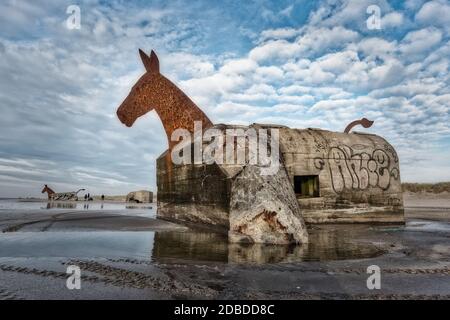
x=326, y=242
x=332, y=244
x=73, y=205
x=339, y=243
x=263, y=253
x=204, y=246
x=60, y=205
x=183, y=247
x=137, y=207
x=75, y=244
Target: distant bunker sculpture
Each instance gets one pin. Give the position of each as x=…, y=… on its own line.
x=141, y=196
x=322, y=176
x=66, y=196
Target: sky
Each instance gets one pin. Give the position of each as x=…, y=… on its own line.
x=298, y=63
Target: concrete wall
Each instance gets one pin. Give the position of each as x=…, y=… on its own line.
x=193, y=193
x=359, y=175
x=264, y=208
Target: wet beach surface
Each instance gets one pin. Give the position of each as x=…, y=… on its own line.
x=124, y=252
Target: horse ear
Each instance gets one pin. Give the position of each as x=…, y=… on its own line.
x=154, y=62
x=145, y=60
x=151, y=63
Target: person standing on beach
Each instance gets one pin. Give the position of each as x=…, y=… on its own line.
x=103, y=197
x=85, y=197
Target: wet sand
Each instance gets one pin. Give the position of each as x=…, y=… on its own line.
x=129, y=254
x=427, y=206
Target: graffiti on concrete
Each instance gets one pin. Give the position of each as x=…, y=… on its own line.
x=391, y=150
x=350, y=170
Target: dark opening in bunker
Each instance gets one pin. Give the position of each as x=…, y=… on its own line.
x=306, y=186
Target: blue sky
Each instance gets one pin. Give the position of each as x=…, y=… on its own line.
x=297, y=63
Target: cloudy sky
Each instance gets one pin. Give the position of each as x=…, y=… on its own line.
x=298, y=63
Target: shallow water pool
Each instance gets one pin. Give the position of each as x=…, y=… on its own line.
x=178, y=247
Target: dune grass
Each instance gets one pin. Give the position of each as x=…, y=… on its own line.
x=427, y=187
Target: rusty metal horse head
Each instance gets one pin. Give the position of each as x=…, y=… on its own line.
x=154, y=91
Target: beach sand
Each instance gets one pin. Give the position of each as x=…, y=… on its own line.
x=126, y=253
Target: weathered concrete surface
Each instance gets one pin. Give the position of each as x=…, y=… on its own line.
x=264, y=209
x=359, y=175
x=193, y=193
x=142, y=196
x=230, y=198
x=358, y=178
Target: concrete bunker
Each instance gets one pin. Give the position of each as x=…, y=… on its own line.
x=141, y=196
x=324, y=177
x=321, y=176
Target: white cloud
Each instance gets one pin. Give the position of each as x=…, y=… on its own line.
x=312, y=74
x=186, y=65
x=311, y=41
x=375, y=47
x=238, y=66
x=408, y=89
x=280, y=33
x=435, y=13
x=346, y=13
x=337, y=63
x=317, y=40
x=275, y=49
x=261, y=88
x=287, y=11
x=418, y=41
x=413, y=4
x=63, y=87
x=270, y=74
x=392, y=19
